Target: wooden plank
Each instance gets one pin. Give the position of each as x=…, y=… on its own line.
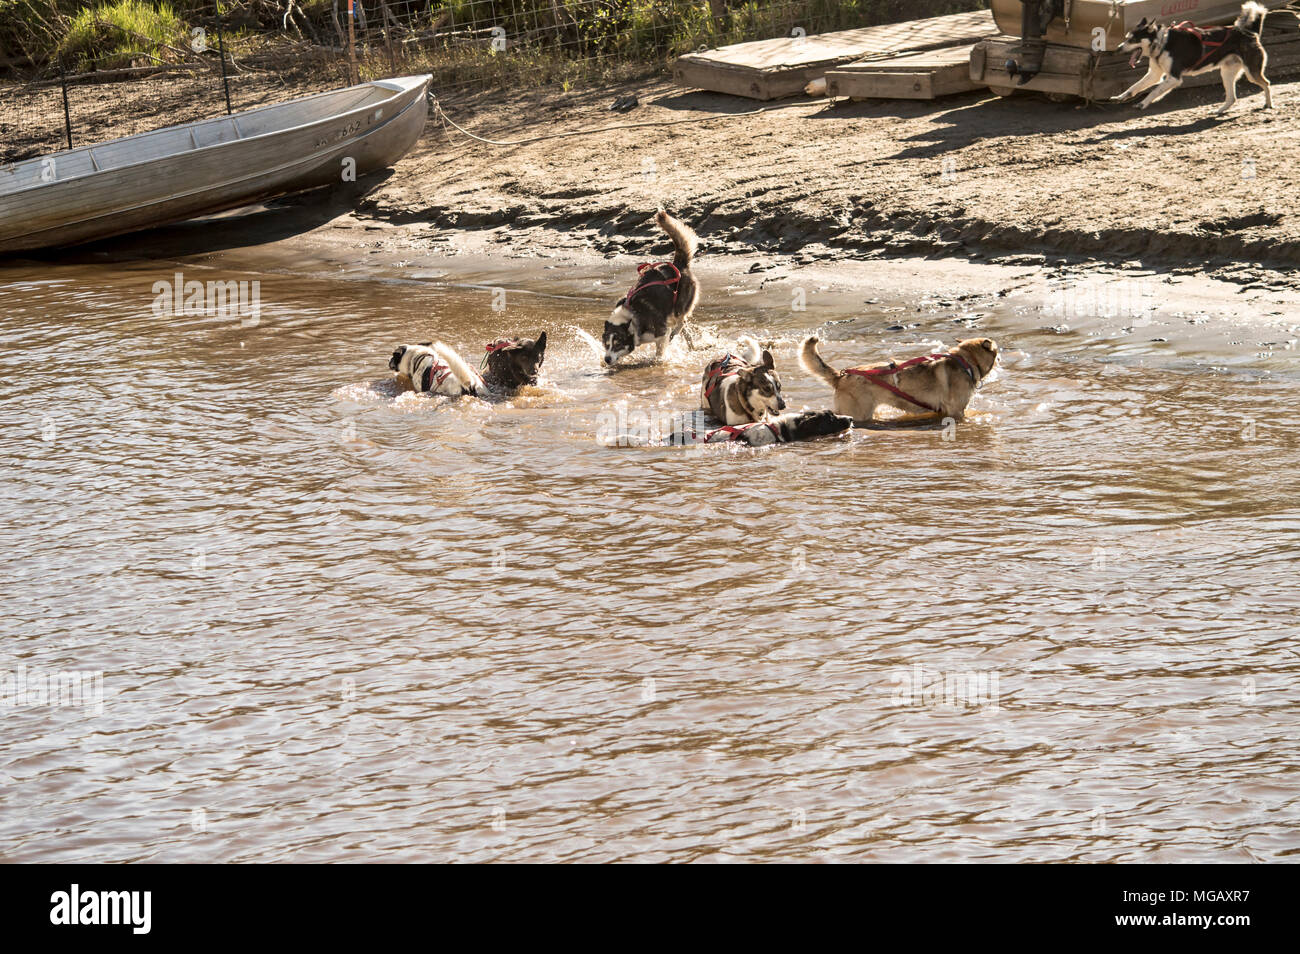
x=783, y=66
x=911, y=76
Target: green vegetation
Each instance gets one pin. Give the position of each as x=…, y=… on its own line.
x=545, y=40
x=124, y=33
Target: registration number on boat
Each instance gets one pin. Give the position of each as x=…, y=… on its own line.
x=348, y=130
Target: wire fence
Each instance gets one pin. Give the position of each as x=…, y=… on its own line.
x=78, y=73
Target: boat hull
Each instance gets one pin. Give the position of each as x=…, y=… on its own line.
x=227, y=175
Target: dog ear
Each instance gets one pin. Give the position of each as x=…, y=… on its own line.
x=540, y=342
x=767, y=360
x=1140, y=24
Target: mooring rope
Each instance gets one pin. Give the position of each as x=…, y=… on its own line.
x=442, y=114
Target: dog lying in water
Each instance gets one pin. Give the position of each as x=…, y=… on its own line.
x=782, y=429
x=433, y=368
x=940, y=384
x=738, y=389
x=658, y=305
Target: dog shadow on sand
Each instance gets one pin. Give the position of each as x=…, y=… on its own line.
x=1161, y=127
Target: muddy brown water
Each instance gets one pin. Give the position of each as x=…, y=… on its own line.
x=338, y=623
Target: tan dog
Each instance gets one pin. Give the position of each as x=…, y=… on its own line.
x=931, y=386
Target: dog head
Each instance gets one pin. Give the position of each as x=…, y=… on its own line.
x=618, y=338
x=1140, y=40
x=395, y=362
x=805, y=425
x=980, y=353
x=514, y=362
x=760, y=386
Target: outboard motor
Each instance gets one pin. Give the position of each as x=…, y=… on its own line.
x=1035, y=15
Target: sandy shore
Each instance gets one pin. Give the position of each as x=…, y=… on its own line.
x=973, y=176
x=964, y=202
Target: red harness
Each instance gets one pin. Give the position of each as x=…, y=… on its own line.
x=430, y=381
x=874, y=374
x=1187, y=26
x=495, y=346
x=736, y=432
x=669, y=282
x=714, y=376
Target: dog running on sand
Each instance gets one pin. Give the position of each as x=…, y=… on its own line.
x=1181, y=50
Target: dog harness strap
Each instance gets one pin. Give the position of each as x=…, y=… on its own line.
x=874, y=374
x=736, y=432
x=669, y=282
x=1187, y=26
x=430, y=381
x=720, y=373
x=494, y=346
x=889, y=387
x=965, y=367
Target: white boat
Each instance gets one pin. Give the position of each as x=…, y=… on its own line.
x=178, y=172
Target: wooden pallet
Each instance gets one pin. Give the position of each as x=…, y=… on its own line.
x=770, y=69
x=926, y=75
x=1069, y=71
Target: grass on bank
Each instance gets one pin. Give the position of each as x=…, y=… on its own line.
x=546, y=41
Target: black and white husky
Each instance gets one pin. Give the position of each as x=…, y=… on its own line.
x=742, y=387
x=433, y=368
x=658, y=305
x=1180, y=50
x=782, y=429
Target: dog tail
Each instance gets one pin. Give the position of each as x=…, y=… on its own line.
x=684, y=240
x=1251, y=19
x=815, y=365
x=748, y=350
x=470, y=378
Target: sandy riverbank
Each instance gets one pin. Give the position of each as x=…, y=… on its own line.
x=964, y=202
x=974, y=176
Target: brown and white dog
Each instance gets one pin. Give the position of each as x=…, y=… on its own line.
x=744, y=387
x=931, y=386
x=1179, y=50
x=658, y=305
x=433, y=368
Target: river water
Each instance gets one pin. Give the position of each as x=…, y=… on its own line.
x=333, y=622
